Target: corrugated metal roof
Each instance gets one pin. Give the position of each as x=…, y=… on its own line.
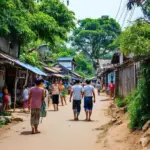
x=24, y=65
x=65, y=58
x=56, y=68
x=50, y=69
x=58, y=75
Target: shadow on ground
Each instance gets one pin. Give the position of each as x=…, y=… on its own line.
x=82, y=120
x=26, y=133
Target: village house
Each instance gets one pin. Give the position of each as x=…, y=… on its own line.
x=13, y=73
x=67, y=62
x=124, y=71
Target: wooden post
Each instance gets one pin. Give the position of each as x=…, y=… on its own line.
x=15, y=89
x=26, y=80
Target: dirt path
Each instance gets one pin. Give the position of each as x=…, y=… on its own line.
x=59, y=131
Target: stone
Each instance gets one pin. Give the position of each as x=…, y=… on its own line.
x=112, y=105
x=146, y=126
x=8, y=119
x=2, y=120
x=119, y=123
x=144, y=141
x=117, y=111
x=123, y=109
x=17, y=119
x=117, y=117
x=147, y=133
x=112, y=121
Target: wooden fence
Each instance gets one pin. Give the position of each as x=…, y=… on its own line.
x=126, y=80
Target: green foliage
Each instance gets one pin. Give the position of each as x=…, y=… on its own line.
x=83, y=67
x=30, y=58
x=2, y=123
x=144, y=4
x=120, y=102
x=64, y=17
x=26, y=20
x=5, y=114
x=95, y=36
x=135, y=114
x=136, y=39
x=138, y=101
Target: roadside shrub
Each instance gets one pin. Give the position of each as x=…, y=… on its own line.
x=131, y=96
x=134, y=110
x=2, y=123
x=5, y=114
x=120, y=102
x=138, y=102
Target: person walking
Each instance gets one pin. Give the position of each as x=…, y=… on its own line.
x=88, y=99
x=62, y=93
x=36, y=97
x=25, y=98
x=55, y=95
x=98, y=88
x=112, y=89
x=77, y=97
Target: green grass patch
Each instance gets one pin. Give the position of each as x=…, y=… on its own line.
x=120, y=102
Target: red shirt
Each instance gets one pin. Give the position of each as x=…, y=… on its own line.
x=6, y=99
x=112, y=87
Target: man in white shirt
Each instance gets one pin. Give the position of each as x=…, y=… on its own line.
x=77, y=97
x=88, y=99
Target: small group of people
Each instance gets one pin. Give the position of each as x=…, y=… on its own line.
x=79, y=92
x=34, y=98
x=58, y=89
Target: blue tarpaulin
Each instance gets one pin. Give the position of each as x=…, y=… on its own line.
x=24, y=65
x=31, y=68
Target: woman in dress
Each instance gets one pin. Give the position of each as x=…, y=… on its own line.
x=36, y=98
x=62, y=90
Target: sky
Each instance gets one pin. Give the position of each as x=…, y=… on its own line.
x=97, y=8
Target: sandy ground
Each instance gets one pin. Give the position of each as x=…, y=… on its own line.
x=58, y=131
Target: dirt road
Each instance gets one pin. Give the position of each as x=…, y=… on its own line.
x=59, y=131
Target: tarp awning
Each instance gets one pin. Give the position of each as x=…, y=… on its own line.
x=24, y=65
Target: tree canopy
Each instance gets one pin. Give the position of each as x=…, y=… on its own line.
x=136, y=39
x=26, y=20
x=144, y=4
x=95, y=36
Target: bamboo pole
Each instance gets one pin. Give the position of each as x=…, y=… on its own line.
x=15, y=89
x=26, y=80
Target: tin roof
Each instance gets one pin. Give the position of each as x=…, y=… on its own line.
x=24, y=65
x=65, y=59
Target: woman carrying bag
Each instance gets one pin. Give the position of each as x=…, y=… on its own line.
x=36, y=101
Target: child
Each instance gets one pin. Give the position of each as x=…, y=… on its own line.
x=6, y=99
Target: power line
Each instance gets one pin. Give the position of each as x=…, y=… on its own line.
x=122, y=13
x=119, y=9
x=125, y=17
x=131, y=15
